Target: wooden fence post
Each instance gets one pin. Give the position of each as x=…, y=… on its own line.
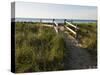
x=64, y=21
x=40, y=21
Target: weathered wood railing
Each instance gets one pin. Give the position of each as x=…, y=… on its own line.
x=56, y=26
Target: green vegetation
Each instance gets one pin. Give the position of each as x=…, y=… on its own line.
x=88, y=38
x=38, y=48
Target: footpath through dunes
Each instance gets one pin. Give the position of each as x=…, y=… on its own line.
x=78, y=57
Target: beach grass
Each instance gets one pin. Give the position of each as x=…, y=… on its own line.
x=38, y=48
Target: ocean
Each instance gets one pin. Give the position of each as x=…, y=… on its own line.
x=44, y=20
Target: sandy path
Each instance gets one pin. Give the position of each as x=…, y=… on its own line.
x=78, y=57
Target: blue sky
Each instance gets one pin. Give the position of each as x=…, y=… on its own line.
x=43, y=10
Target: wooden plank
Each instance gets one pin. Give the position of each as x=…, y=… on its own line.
x=56, y=29
x=71, y=24
x=70, y=30
x=56, y=23
x=47, y=25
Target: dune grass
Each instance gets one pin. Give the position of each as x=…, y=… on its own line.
x=88, y=38
x=38, y=48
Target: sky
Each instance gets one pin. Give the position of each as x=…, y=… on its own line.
x=60, y=11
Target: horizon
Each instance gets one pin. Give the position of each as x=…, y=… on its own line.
x=53, y=18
